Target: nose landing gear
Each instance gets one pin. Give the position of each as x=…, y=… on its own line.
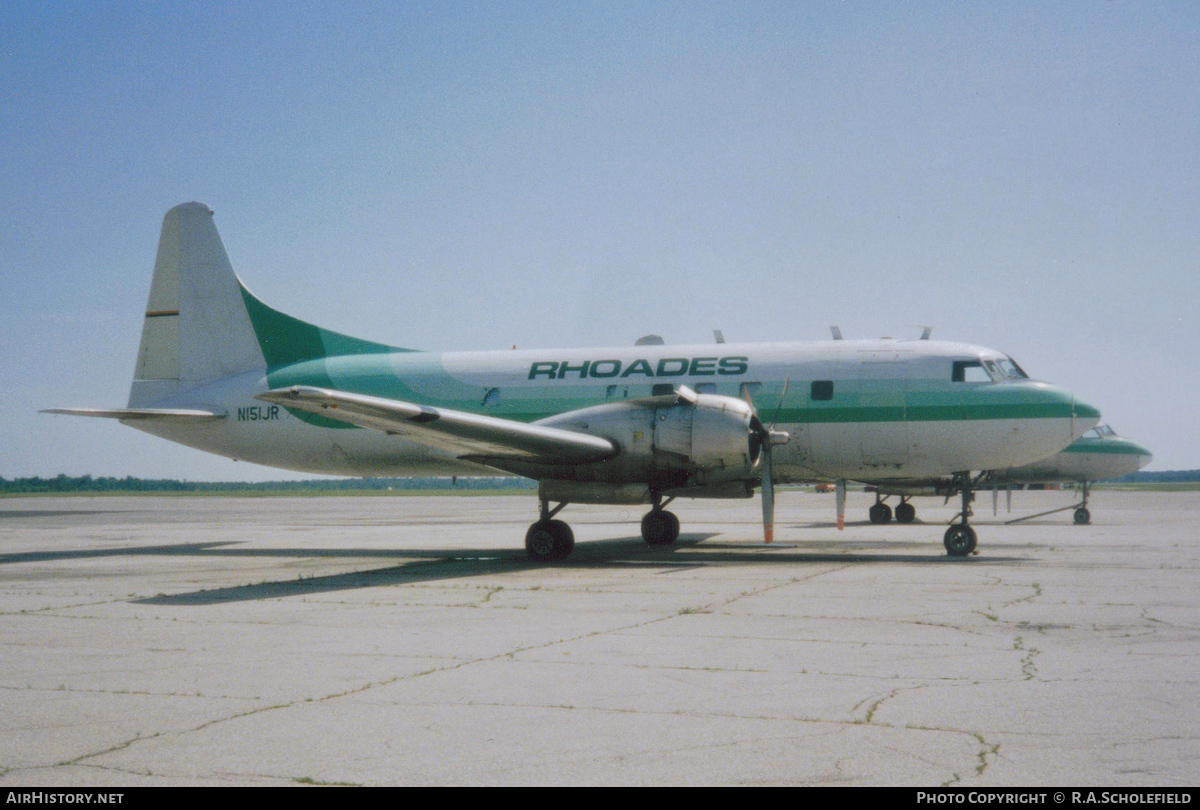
x=960, y=539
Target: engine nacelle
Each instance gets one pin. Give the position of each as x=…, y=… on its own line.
x=681, y=441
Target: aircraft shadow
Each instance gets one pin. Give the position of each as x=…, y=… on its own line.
x=690, y=551
x=8, y=514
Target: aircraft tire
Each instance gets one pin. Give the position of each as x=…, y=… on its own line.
x=960, y=540
x=905, y=512
x=672, y=527
x=1082, y=516
x=660, y=528
x=880, y=513
x=549, y=541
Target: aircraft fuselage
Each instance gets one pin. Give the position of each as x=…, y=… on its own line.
x=865, y=410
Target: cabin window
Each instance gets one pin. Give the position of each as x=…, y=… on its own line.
x=492, y=397
x=662, y=389
x=969, y=371
x=749, y=390
x=822, y=390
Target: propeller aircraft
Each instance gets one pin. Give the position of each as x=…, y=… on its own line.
x=1098, y=455
x=219, y=370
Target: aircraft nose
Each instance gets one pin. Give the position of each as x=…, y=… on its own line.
x=1144, y=456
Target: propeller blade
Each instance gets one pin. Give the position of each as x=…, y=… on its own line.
x=779, y=407
x=768, y=493
x=766, y=438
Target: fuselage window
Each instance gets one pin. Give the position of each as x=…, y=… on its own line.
x=969, y=371
x=822, y=390
x=749, y=389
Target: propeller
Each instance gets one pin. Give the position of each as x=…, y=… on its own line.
x=766, y=438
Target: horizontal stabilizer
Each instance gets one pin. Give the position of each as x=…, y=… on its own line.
x=455, y=431
x=166, y=414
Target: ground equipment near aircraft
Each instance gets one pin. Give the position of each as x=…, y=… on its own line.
x=222, y=371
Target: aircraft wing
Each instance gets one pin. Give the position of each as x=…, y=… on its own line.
x=467, y=434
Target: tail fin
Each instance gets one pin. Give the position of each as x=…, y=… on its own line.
x=202, y=324
x=196, y=328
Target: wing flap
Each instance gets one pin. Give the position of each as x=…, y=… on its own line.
x=455, y=431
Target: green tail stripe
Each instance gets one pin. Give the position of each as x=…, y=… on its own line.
x=285, y=340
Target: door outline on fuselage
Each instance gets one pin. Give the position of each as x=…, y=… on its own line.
x=883, y=433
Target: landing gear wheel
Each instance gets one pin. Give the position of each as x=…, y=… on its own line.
x=1082, y=516
x=905, y=512
x=549, y=541
x=959, y=540
x=880, y=513
x=660, y=528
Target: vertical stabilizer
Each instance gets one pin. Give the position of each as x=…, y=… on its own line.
x=197, y=328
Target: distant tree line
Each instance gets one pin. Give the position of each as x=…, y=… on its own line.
x=1163, y=477
x=86, y=483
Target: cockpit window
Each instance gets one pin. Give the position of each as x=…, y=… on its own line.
x=1011, y=369
x=987, y=369
x=969, y=371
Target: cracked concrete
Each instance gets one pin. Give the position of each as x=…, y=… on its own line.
x=348, y=641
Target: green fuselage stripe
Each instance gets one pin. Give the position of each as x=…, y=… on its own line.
x=420, y=377
x=1107, y=448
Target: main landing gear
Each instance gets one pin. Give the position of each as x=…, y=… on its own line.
x=881, y=513
x=660, y=527
x=551, y=540
x=960, y=538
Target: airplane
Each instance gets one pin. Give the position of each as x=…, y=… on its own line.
x=219, y=370
x=1098, y=455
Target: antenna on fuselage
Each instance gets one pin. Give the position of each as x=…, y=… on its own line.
x=650, y=340
x=718, y=336
x=836, y=332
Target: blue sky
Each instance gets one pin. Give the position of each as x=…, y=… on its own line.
x=478, y=175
